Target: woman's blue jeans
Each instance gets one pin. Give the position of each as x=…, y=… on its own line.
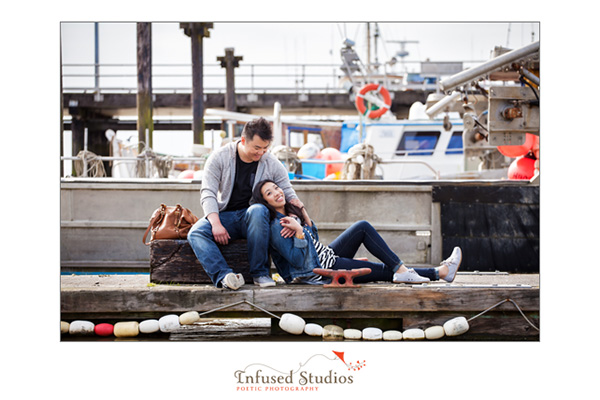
x=251, y=223
x=362, y=233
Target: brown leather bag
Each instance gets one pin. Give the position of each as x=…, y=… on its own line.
x=169, y=222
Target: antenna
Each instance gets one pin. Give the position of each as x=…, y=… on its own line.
x=402, y=53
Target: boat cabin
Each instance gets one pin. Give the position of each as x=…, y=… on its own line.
x=410, y=146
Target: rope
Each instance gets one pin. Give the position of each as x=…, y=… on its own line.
x=95, y=167
x=237, y=303
x=502, y=302
x=470, y=319
x=160, y=165
x=362, y=158
x=163, y=165
x=288, y=156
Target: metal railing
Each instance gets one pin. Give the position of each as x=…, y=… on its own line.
x=250, y=78
x=435, y=172
x=145, y=158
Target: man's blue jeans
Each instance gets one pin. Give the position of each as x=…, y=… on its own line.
x=251, y=223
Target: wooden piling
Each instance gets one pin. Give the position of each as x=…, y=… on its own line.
x=230, y=62
x=144, y=82
x=197, y=31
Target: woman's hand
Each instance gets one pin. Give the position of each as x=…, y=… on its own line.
x=291, y=227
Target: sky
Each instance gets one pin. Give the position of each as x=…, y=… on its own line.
x=285, y=43
x=276, y=43
x=297, y=42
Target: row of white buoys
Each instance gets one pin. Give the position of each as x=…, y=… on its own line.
x=296, y=326
x=289, y=322
x=126, y=329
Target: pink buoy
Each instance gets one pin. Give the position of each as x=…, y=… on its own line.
x=103, y=329
x=187, y=174
x=521, y=168
x=331, y=154
x=520, y=150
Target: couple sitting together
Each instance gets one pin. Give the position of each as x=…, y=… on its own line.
x=246, y=193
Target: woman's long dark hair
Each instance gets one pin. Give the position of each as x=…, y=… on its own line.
x=289, y=207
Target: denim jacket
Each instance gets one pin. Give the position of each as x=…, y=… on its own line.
x=293, y=257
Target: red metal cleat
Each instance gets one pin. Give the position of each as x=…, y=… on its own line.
x=346, y=274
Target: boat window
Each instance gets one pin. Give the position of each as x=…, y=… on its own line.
x=418, y=143
x=315, y=138
x=299, y=136
x=455, y=146
x=296, y=139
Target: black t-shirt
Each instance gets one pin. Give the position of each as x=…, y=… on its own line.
x=242, y=185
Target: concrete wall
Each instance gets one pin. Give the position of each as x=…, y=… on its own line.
x=103, y=220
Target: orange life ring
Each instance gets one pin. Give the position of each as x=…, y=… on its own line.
x=360, y=102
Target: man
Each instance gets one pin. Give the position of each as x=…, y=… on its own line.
x=230, y=174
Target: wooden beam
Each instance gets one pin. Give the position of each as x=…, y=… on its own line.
x=370, y=300
x=338, y=101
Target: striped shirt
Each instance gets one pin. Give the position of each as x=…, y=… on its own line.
x=326, y=254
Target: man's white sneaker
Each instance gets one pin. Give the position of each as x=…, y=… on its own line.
x=453, y=263
x=409, y=276
x=233, y=281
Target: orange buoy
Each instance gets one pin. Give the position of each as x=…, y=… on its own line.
x=378, y=112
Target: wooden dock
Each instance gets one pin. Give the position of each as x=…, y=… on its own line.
x=389, y=306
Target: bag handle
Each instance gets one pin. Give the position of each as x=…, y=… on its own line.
x=154, y=221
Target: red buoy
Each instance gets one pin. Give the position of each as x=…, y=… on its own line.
x=520, y=150
x=103, y=329
x=521, y=168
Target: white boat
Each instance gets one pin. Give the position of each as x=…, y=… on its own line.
x=420, y=147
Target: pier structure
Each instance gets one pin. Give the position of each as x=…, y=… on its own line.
x=422, y=222
x=300, y=89
x=386, y=306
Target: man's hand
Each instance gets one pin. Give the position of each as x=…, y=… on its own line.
x=218, y=230
x=297, y=203
x=300, y=205
x=220, y=234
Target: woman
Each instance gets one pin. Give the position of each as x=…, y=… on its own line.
x=297, y=250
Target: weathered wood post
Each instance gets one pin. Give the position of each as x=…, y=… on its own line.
x=229, y=62
x=62, y=131
x=197, y=31
x=144, y=82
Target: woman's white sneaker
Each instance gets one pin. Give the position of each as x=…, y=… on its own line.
x=453, y=263
x=409, y=276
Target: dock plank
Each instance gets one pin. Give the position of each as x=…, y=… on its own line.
x=376, y=299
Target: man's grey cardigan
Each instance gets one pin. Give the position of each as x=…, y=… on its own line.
x=219, y=175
